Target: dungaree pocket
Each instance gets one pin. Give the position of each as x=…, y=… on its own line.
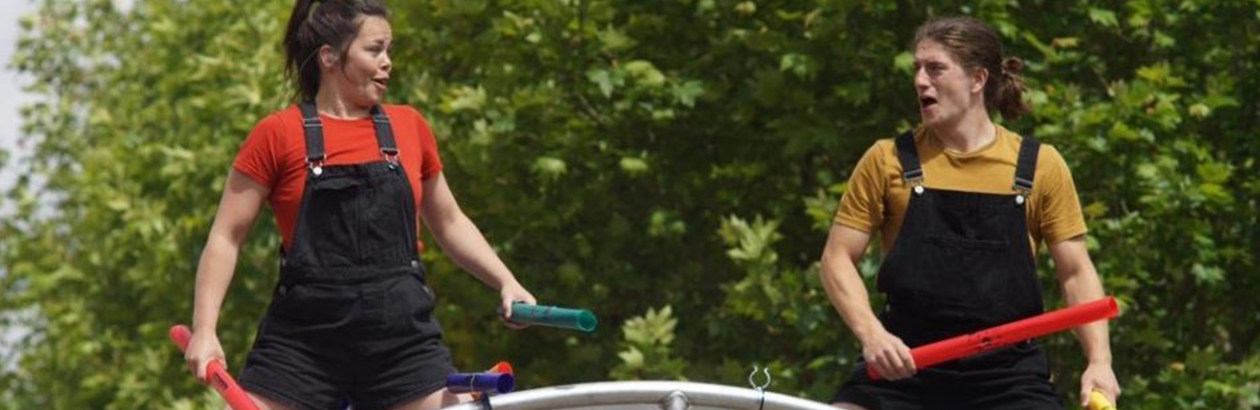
x=410, y=306
x=387, y=230
x=311, y=308
x=337, y=204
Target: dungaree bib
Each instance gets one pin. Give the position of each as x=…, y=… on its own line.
x=350, y=321
x=961, y=263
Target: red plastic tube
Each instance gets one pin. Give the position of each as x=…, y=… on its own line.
x=995, y=337
x=219, y=378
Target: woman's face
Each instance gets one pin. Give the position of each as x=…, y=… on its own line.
x=364, y=75
x=946, y=91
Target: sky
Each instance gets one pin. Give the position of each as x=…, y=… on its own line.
x=11, y=96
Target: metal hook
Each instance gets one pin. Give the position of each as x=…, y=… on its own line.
x=751, y=382
x=762, y=387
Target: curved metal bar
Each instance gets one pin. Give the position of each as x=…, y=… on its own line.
x=643, y=395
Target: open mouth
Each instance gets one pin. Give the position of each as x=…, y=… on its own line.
x=383, y=82
x=925, y=102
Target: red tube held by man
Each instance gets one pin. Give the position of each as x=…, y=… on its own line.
x=1003, y=335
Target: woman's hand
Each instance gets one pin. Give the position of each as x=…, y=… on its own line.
x=203, y=348
x=888, y=354
x=512, y=293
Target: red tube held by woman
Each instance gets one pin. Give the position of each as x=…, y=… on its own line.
x=998, y=336
x=219, y=378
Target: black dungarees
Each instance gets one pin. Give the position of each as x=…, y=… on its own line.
x=961, y=263
x=351, y=318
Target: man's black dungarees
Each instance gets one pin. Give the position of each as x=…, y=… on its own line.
x=961, y=263
x=351, y=318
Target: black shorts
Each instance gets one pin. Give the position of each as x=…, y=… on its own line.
x=1015, y=377
x=371, y=345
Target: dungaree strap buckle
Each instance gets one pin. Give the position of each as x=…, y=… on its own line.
x=313, y=133
x=316, y=165
x=1023, y=189
x=385, y=135
x=914, y=179
x=908, y=155
x=391, y=155
x=1025, y=169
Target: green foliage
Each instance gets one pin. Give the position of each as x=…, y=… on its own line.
x=142, y=115
x=625, y=155
x=647, y=355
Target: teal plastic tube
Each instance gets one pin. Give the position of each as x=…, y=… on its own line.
x=575, y=319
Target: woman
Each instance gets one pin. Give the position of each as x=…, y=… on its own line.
x=348, y=180
x=960, y=219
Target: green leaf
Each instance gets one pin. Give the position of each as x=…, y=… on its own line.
x=1214, y=172
x=632, y=357
x=666, y=224
x=1104, y=17
x=1065, y=42
x=687, y=92
x=1158, y=73
x=549, y=167
x=1200, y=110
x=800, y=65
x=634, y=166
x=614, y=40
x=645, y=73
x=904, y=62
x=606, y=80
x=1121, y=131
x=464, y=99
x=1216, y=193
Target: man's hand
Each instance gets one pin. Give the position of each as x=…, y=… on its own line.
x=888, y=354
x=1099, y=376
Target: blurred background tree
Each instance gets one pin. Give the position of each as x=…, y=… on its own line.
x=673, y=165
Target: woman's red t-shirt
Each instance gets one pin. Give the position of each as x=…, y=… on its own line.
x=274, y=155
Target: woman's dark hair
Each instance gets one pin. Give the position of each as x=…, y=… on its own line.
x=975, y=45
x=315, y=23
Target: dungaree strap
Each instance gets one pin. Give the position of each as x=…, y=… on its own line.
x=908, y=155
x=384, y=134
x=1027, y=165
x=313, y=129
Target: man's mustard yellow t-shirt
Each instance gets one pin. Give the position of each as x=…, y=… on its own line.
x=877, y=195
